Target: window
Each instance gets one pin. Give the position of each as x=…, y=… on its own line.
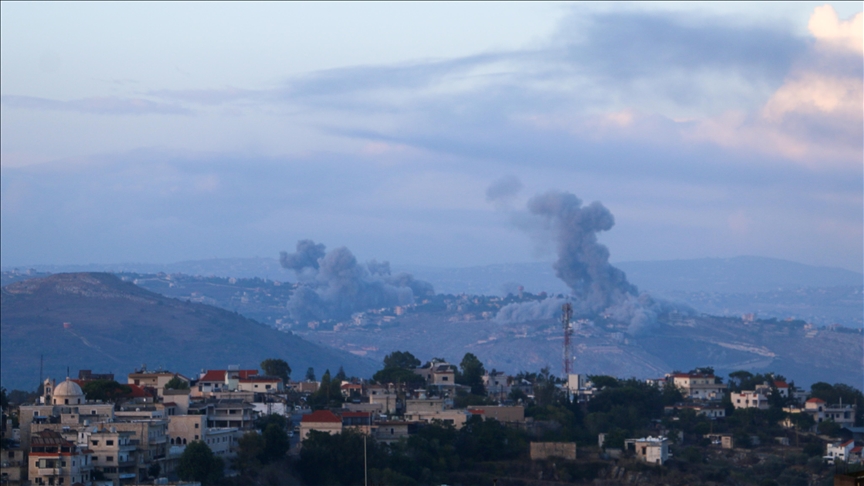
x=109, y=458
x=196, y=426
x=92, y=412
x=109, y=442
x=66, y=401
x=94, y=442
x=196, y=438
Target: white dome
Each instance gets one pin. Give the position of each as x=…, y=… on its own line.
x=67, y=393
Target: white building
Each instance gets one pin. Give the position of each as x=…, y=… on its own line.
x=749, y=399
x=653, y=450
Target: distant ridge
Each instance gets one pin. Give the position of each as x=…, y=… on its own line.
x=723, y=275
x=115, y=326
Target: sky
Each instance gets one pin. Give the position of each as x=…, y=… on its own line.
x=416, y=132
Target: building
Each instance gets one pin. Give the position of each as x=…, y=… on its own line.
x=153, y=379
x=221, y=380
x=840, y=450
x=61, y=404
x=357, y=421
x=704, y=410
x=698, y=386
x=749, y=399
x=261, y=384
x=13, y=466
x=388, y=432
x=653, y=450
x=512, y=414
x=320, y=421
x=114, y=453
x=843, y=415
x=497, y=385
x=54, y=460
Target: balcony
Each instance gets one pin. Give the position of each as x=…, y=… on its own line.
x=49, y=471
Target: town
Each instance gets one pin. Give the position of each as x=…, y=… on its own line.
x=429, y=423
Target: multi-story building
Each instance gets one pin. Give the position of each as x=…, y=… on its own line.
x=749, y=399
x=13, y=466
x=54, y=460
x=843, y=415
x=114, y=453
x=698, y=386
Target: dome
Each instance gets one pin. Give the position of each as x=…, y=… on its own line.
x=68, y=393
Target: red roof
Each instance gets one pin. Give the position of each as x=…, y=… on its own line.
x=138, y=391
x=815, y=400
x=219, y=375
x=693, y=375
x=321, y=416
x=781, y=384
x=856, y=450
x=355, y=414
x=850, y=441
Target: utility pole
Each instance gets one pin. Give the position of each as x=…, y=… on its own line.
x=566, y=314
x=365, y=469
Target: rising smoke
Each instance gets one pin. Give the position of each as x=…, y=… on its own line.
x=597, y=288
x=334, y=285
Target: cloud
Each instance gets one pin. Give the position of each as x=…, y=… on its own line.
x=96, y=105
x=816, y=117
x=504, y=189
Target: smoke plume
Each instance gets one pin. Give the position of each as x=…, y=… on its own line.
x=597, y=288
x=334, y=285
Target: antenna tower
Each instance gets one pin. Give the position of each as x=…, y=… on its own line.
x=566, y=314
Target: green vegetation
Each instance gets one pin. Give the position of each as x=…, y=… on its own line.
x=105, y=390
x=277, y=367
x=177, y=383
x=399, y=368
x=198, y=463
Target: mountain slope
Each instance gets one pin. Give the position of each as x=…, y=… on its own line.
x=116, y=326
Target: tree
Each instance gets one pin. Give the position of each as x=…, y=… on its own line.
x=154, y=470
x=276, y=443
x=340, y=375
x=4, y=401
x=250, y=449
x=399, y=368
x=198, y=463
x=472, y=374
x=177, y=383
x=401, y=359
x=310, y=374
x=105, y=390
x=276, y=367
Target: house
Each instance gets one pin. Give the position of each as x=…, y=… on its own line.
x=840, y=450
x=351, y=389
x=438, y=374
x=749, y=399
x=497, y=385
x=357, y=421
x=843, y=415
x=698, y=386
x=456, y=418
x=153, y=379
x=212, y=381
x=385, y=395
x=782, y=388
x=653, y=450
x=261, y=384
x=388, y=432
x=320, y=421
x=52, y=459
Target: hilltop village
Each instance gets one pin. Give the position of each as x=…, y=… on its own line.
x=428, y=423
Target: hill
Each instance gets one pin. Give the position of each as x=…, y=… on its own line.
x=115, y=326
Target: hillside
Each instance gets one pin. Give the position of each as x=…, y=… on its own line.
x=115, y=326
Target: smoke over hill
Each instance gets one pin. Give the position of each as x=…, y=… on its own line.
x=596, y=286
x=333, y=285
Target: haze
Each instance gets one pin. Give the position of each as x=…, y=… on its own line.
x=416, y=133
